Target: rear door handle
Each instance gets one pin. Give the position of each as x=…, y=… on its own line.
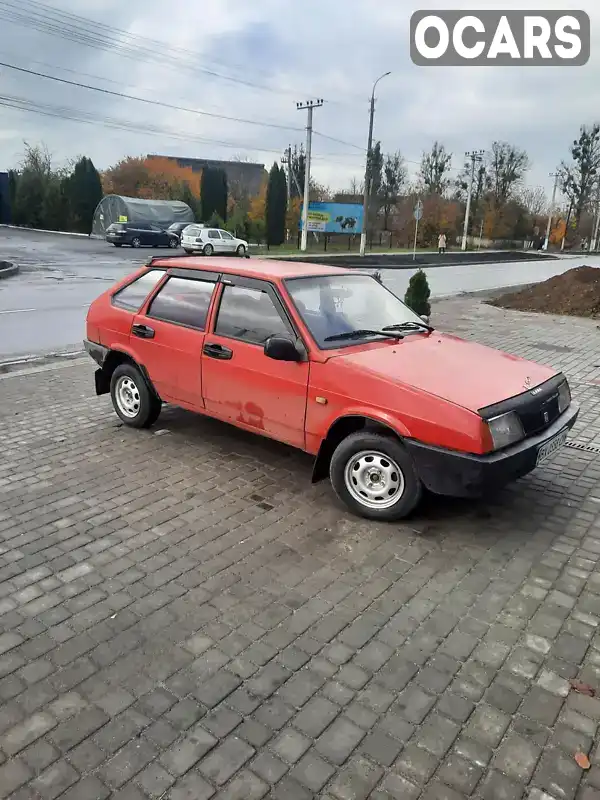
x=217, y=351
x=143, y=331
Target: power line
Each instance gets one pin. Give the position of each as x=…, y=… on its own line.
x=145, y=100
x=76, y=115
x=82, y=30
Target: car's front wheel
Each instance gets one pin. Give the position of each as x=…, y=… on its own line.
x=241, y=250
x=375, y=476
x=208, y=250
x=173, y=243
x=136, y=242
x=132, y=399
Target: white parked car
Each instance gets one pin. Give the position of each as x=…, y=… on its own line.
x=199, y=239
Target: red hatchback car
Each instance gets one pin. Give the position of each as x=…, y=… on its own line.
x=330, y=361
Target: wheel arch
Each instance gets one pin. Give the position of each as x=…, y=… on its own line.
x=113, y=360
x=341, y=428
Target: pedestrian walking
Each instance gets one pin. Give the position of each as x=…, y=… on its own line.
x=442, y=243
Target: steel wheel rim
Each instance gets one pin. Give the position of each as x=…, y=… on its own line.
x=374, y=479
x=128, y=397
x=208, y=250
x=241, y=250
x=136, y=243
x=172, y=243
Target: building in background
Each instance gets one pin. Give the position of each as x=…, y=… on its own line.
x=5, y=215
x=247, y=177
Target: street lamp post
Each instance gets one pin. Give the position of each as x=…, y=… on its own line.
x=363, y=235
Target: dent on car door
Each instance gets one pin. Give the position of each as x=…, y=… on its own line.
x=240, y=383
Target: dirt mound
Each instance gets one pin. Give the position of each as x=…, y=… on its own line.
x=576, y=292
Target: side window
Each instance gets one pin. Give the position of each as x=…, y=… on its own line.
x=183, y=301
x=133, y=295
x=250, y=315
x=214, y=235
x=225, y=235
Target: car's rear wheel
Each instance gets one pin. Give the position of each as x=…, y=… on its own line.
x=208, y=250
x=241, y=251
x=375, y=476
x=136, y=242
x=173, y=243
x=132, y=398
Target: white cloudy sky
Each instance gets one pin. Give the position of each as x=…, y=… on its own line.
x=333, y=49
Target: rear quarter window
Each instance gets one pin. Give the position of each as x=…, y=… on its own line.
x=133, y=296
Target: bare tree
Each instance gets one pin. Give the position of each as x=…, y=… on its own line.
x=394, y=177
x=506, y=169
x=435, y=166
x=579, y=177
x=534, y=199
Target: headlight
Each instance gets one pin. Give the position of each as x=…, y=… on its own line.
x=564, y=397
x=505, y=429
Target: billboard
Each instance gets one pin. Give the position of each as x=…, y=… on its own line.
x=334, y=217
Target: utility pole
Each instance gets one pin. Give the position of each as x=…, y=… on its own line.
x=476, y=156
x=368, y=178
x=309, y=106
x=554, y=175
x=287, y=160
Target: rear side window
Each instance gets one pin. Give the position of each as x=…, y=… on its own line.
x=214, y=235
x=133, y=295
x=183, y=301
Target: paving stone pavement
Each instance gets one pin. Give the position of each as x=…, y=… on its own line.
x=183, y=615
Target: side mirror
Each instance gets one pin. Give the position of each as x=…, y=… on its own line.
x=425, y=318
x=280, y=348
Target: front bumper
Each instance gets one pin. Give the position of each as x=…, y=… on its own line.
x=449, y=472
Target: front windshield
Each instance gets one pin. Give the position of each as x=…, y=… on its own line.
x=338, y=304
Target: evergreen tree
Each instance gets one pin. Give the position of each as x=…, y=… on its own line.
x=417, y=294
x=213, y=193
x=83, y=189
x=275, y=211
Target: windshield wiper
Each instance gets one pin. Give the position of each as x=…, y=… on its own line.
x=360, y=334
x=410, y=325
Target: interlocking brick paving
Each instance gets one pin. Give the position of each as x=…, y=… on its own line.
x=183, y=615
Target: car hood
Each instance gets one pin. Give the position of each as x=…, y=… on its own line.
x=465, y=373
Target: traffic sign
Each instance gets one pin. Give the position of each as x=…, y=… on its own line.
x=418, y=212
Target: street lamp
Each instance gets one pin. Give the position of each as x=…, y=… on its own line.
x=363, y=235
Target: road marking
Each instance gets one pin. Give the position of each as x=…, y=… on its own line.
x=45, y=310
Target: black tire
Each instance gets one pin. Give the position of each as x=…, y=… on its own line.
x=173, y=243
x=135, y=242
x=241, y=251
x=388, y=446
x=208, y=250
x=149, y=404
x=116, y=245
x=188, y=251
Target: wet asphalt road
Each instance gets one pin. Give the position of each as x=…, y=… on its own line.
x=43, y=309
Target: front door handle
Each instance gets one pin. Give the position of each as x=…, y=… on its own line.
x=143, y=331
x=213, y=350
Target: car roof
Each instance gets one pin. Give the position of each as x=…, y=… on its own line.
x=260, y=268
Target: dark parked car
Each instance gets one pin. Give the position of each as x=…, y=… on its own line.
x=136, y=234
x=177, y=228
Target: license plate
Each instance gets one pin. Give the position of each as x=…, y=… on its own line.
x=548, y=449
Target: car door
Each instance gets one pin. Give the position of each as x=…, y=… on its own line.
x=227, y=241
x=240, y=383
x=168, y=334
x=159, y=236
x=214, y=238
